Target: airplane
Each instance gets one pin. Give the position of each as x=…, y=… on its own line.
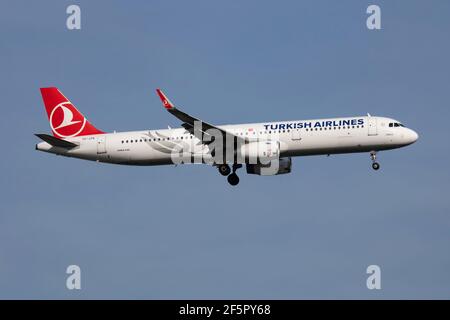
x=264, y=148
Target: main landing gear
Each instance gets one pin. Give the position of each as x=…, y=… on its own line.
x=375, y=164
x=225, y=170
x=233, y=179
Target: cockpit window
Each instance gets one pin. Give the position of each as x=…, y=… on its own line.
x=395, y=124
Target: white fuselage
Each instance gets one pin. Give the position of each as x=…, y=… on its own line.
x=296, y=138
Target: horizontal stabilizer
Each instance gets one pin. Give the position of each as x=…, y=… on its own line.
x=56, y=142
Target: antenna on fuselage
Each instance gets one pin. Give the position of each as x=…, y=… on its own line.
x=368, y=114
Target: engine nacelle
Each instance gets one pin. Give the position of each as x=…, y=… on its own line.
x=276, y=166
x=260, y=152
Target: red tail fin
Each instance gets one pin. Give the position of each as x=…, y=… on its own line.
x=65, y=120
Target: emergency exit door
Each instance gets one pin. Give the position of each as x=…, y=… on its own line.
x=295, y=135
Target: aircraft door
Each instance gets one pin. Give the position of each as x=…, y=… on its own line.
x=295, y=135
x=101, y=144
x=372, y=126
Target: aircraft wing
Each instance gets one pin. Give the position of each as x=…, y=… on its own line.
x=188, y=120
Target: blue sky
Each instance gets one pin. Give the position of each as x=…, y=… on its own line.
x=183, y=232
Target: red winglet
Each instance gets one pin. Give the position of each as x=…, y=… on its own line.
x=166, y=102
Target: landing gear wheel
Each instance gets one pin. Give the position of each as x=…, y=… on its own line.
x=224, y=169
x=233, y=179
x=373, y=157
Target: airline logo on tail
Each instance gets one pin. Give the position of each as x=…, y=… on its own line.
x=65, y=120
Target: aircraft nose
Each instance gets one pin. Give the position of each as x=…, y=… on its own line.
x=412, y=136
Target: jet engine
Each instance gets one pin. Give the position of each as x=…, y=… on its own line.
x=260, y=151
x=276, y=166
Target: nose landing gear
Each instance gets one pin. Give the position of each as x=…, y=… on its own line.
x=375, y=164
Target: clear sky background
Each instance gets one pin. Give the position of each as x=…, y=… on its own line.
x=183, y=232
